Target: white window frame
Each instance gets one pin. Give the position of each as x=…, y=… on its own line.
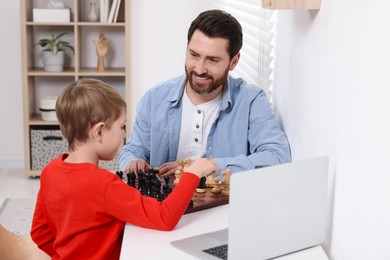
x=256, y=65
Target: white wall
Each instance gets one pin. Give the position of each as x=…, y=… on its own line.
x=332, y=95
x=11, y=106
x=159, y=40
x=159, y=37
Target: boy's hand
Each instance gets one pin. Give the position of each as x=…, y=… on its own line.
x=203, y=167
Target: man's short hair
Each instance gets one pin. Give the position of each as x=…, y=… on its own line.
x=218, y=23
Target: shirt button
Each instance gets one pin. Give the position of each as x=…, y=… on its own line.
x=197, y=126
x=196, y=140
x=199, y=111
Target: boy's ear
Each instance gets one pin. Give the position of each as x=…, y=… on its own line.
x=97, y=131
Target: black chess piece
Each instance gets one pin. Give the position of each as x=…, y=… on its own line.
x=154, y=171
x=166, y=189
x=131, y=179
x=155, y=186
x=142, y=183
x=120, y=174
x=202, y=185
x=191, y=204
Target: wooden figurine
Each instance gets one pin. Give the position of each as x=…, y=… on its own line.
x=101, y=51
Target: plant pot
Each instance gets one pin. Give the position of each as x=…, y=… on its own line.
x=53, y=63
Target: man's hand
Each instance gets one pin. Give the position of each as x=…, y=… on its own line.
x=167, y=168
x=137, y=165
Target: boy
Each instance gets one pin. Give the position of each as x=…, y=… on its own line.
x=81, y=209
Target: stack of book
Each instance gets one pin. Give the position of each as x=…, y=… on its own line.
x=109, y=10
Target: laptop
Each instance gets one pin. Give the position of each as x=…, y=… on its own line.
x=273, y=211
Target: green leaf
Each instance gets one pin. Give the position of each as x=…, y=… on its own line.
x=54, y=43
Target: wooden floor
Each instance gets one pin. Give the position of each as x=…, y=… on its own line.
x=14, y=183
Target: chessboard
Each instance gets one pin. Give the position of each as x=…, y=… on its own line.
x=202, y=201
x=159, y=188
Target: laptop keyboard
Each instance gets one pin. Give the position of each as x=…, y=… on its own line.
x=218, y=251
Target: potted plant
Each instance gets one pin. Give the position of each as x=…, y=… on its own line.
x=53, y=55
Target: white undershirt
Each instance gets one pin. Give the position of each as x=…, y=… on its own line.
x=196, y=122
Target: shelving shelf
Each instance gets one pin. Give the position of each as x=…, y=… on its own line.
x=38, y=83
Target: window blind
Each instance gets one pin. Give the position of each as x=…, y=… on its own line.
x=256, y=63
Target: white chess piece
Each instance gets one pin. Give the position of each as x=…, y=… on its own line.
x=217, y=186
x=225, y=182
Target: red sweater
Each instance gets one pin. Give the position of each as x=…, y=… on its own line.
x=81, y=210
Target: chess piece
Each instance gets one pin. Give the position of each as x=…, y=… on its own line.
x=142, y=182
x=216, y=186
x=202, y=185
x=154, y=171
x=101, y=51
x=210, y=181
x=186, y=164
x=225, y=182
x=178, y=171
x=178, y=174
x=131, y=179
x=120, y=174
x=166, y=189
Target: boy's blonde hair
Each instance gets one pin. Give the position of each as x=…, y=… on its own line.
x=84, y=103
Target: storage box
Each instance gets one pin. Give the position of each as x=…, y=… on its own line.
x=46, y=143
x=51, y=15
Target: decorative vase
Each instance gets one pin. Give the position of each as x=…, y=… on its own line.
x=53, y=63
x=92, y=15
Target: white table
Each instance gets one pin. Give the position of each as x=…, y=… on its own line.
x=141, y=243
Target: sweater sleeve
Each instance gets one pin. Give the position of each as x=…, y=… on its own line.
x=127, y=204
x=40, y=232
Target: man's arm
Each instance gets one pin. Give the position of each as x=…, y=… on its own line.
x=138, y=145
x=254, y=139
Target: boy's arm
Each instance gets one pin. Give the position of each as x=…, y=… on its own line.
x=40, y=231
x=127, y=204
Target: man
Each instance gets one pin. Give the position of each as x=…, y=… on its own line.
x=206, y=112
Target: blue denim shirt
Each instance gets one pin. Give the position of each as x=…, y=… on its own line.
x=244, y=136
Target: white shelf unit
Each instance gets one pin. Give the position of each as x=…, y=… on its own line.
x=38, y=83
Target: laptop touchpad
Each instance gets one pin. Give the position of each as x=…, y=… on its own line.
x=221, y=235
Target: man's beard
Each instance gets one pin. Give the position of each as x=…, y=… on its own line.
x=207, y=88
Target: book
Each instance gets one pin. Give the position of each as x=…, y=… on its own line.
x=110, y=18
x=118, y=5
x=101, y=7
x=104, y=6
